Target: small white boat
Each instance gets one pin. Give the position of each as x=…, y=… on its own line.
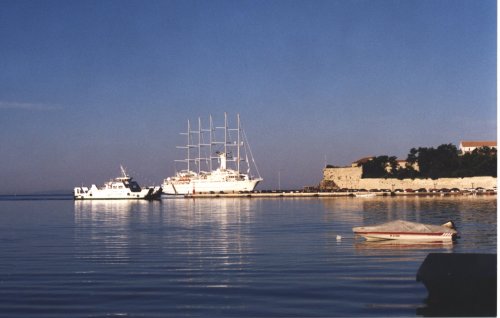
x=407, y=231
x=120, y=188
x=365, y=195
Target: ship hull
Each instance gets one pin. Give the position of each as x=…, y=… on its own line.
x=420, y=237
x=204, y=186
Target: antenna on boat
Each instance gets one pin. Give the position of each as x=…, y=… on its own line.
x=124, y=173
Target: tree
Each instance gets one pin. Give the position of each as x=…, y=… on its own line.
x=407, y=172
x=379, y=167
x=436, y=163
x=412, y=157
x=479, y=162
x=441, y=162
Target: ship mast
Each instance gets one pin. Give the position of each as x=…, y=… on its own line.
x=211, y=142
x=239, y=144
x=187, y=147
x=225, y=134
x=202, y=143
x=199, y=145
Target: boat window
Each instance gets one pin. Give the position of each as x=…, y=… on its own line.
x=134, y=187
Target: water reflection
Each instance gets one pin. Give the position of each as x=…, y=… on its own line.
x=192, y=212
x=200, y=248
x=401, y=245
x=101, y=229
x=215, y=233
x=225, y=257
x=204, y=233
x=474, y=217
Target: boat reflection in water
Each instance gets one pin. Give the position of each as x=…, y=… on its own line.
x=214, y=233
x=103, y=229
x=210, y=233
x=225, y=257
x=403, y=245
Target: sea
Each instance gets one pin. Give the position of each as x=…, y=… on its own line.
x=224, y=257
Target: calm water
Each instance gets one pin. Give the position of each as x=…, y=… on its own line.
x=222, y=257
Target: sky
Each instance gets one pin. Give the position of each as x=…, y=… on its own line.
x=88, y=85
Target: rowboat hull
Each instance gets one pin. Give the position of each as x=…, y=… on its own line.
x=421, y=237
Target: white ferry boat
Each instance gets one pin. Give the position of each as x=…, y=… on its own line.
x=202, y=149
x=122, y=187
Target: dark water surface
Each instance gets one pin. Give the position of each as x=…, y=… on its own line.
x=222, y=257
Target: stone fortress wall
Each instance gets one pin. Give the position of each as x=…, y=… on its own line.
x=350, y=178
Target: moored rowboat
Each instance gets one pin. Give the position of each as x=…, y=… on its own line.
x=365, y=195
x=408, y=231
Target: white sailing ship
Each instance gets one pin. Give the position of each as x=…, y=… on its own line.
x=227, y=146
x=122, y=187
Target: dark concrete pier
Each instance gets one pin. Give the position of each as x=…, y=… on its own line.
x=310, y=194
x=460, y=284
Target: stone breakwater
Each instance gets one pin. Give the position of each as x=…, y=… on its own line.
x=350, y=178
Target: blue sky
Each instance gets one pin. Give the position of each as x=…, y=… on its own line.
x=88, y=85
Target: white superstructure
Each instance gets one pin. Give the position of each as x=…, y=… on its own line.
x=122, y=187
x=204, y=146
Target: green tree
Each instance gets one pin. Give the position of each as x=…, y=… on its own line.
x=479, y=162
x=436, y=163
x=412, y=158
x=379, y=167
x=407, y=172
x=441, y=162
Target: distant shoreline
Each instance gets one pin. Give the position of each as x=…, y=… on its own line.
x=265, y=194
x=37, y=194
